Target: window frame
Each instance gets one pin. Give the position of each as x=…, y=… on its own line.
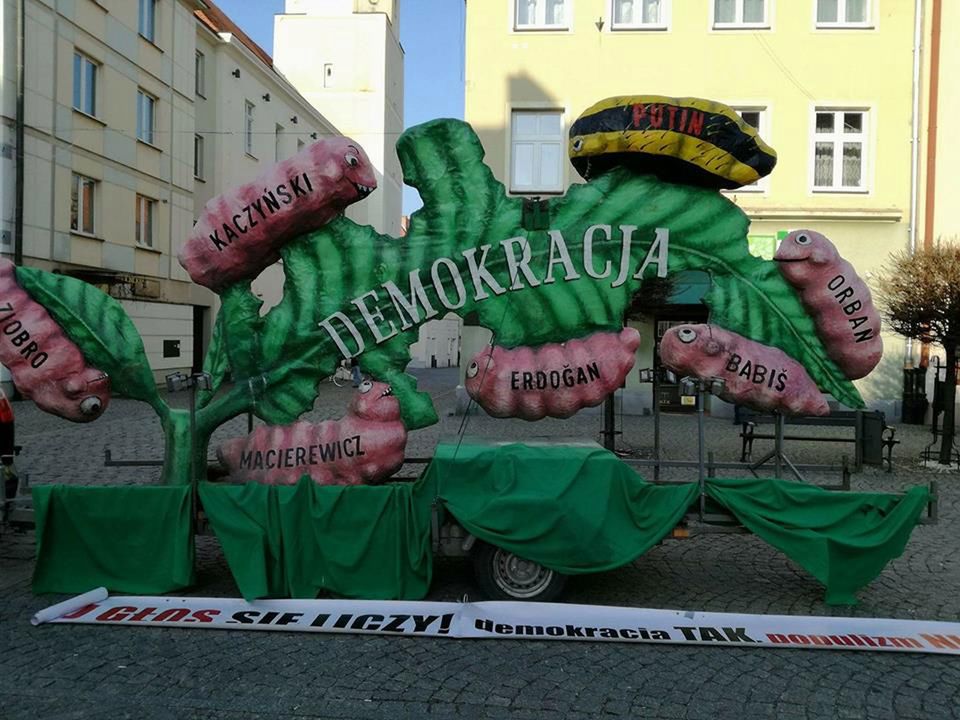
x=78, y=92
x=248, y=120
x=200, y=73
x=837, y=138
x=534, y=27
x=199, y=156
x=512, y=154
x=664, y=24
x=763, y=184
x=278, y=131
x=147, y=21
x=149, y=205
x=738, y=23
x=839, y=24
x=143, y=95
x=77, y=183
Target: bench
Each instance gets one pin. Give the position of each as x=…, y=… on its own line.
x=873, y=439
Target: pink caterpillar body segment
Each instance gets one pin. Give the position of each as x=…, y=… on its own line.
x=46, y=365
x=364, y=446
x=758, y=376
x=838, y=299
x=241, y=231
x=554, y=380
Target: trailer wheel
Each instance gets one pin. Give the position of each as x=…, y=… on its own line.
x=502, y=575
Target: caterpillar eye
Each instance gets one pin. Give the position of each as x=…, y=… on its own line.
x=803, y=239
x=351, y=159
x=687, y=335
x=578, y=145
x=90, y=405
x=473, y=369
x=366, y=386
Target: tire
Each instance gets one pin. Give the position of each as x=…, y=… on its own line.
x=502, y=575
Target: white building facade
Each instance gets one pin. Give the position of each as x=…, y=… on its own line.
x=345, y=57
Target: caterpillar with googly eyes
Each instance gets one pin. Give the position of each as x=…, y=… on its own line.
x=554, y=380
x=757, y=376
x=240, y=232
x=836, y=297
x=364, y=446
x=47, y=367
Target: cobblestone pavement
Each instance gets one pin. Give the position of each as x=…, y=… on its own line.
x=116, y=672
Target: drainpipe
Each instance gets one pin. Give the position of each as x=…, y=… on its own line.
x=930, y=200
x=18, y=183
x=914, y=146
x=915, y=123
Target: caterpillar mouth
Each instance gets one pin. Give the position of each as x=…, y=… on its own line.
x=363, y=190
x=388, y=391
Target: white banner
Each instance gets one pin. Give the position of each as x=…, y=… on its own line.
x=514, y=620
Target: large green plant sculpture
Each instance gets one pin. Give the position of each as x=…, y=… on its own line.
x=470, y=229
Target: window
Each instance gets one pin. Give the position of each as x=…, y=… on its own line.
x=839, y=149
x=143, y=224
x=82, y=192
x=755, y=117
x=278, y=142
x=84, y=84
x=248, y=127
x=328, y=80
x=537, y=151
x=199, y=69
x=739, y=13
x=299, y=145
x=198, y=156
x=843, y=13
x=148, y=16
x=639, y=14
x=540, y=14
x=145, y=112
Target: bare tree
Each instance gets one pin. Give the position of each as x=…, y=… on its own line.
x=919, y=296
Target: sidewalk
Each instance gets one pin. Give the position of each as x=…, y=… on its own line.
x=115, y=672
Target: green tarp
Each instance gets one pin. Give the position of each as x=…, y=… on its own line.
x=573, y=508
x=296, y=540
x=128, y=539
x=843, y=539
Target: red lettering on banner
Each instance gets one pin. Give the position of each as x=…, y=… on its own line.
x=116, y=614
x=944, y=642
x=79, y=612
x=173, y=615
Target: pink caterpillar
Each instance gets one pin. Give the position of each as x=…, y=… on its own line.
x=838, y=299
x=758, y=376
x=46, y=365
x=553, y=380
x=239, y=232
x=366, y=445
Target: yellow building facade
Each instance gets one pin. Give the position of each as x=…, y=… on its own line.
x=828, y=83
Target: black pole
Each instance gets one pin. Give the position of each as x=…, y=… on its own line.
x=609, y=422
x=18, y=184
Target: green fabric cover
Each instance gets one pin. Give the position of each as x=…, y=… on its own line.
x=295, y=540
x=128, y=539
x=843, y=539
x=574, y=509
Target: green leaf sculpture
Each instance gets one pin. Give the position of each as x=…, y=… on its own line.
x=466, y=210
x=99, y=326
x=350, y=290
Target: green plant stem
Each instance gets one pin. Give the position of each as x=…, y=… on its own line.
x=180, y=443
